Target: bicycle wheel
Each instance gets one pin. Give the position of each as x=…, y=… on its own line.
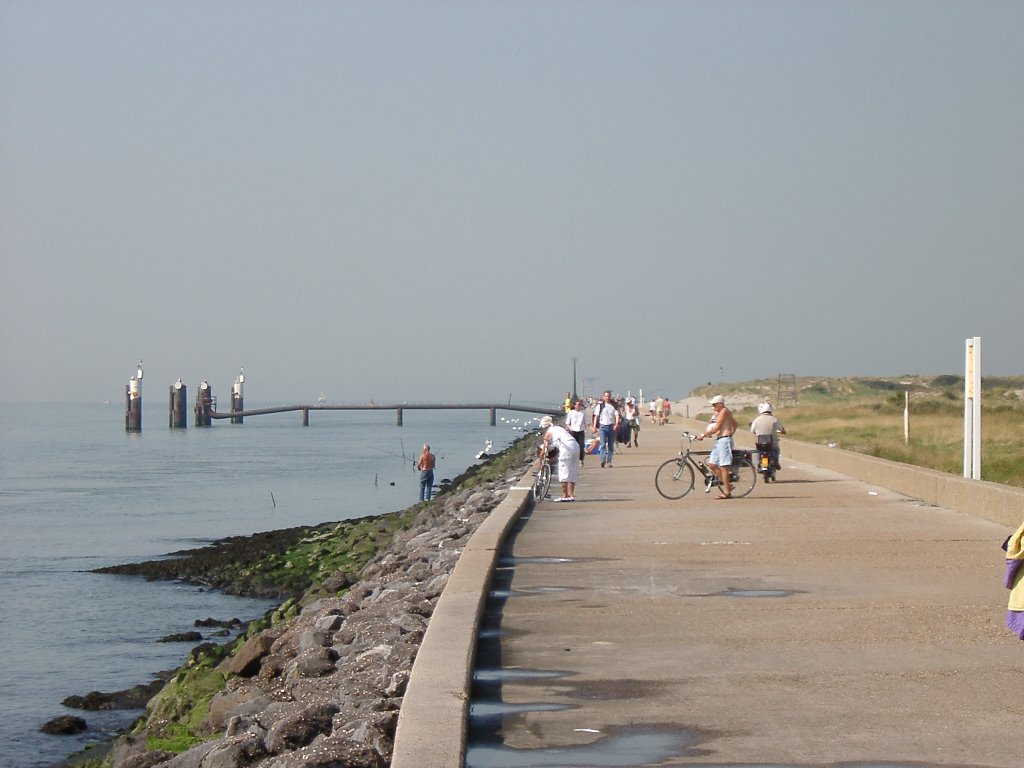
x=674, y=479
x=543, y=482
x=743, y=478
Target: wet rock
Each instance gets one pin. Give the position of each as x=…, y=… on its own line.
x=228, y=624
x=129, y=698
x=182, y=637
x=65, y=725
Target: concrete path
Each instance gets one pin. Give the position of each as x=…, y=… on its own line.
x=818, y=622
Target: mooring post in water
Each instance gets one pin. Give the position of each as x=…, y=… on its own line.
x=236, y=397
x=494, y=412
x=176, y=414
x=399, y=418
x=204, y=399
x=133, y=402
x=305, y=417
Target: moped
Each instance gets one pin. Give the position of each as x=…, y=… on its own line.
x=767, y=458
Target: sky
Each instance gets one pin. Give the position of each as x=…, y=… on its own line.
x=453, y=201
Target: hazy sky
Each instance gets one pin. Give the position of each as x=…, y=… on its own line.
x=451, y=200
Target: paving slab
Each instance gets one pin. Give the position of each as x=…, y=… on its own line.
x=820, y=621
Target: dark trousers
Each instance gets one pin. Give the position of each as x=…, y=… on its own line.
x=580, y=438
x=426, y=484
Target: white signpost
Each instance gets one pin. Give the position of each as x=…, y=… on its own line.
x=972, y=409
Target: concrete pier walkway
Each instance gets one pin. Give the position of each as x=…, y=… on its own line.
x=821, y=621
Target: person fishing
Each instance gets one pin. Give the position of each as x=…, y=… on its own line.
x=425, y=464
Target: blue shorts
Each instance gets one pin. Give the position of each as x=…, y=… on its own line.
x=721, y=454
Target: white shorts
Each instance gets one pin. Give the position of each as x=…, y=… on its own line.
x=721, y=454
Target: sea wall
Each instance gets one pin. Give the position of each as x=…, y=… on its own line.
x=325, y=687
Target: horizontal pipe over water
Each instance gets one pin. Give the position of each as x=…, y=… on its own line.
x=397, y=407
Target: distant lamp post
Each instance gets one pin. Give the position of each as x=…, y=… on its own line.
x=575, y=397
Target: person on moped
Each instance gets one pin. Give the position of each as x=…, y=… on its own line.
x=767, y=429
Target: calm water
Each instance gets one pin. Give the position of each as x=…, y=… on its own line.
x=77, y=492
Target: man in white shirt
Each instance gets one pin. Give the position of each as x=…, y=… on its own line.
x=606, y=424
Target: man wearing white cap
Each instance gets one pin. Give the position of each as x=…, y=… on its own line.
x=568, y=455
x=722, y=428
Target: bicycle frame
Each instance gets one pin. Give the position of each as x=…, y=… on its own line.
x=677, y=477
x=545, y=466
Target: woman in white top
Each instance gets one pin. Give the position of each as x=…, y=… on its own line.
x=568, y=455
x=575, y=422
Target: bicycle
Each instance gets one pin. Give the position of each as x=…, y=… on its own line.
x=677, y=477
x=542, y=477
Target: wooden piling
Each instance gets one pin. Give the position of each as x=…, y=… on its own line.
x=133, y=402
x=133, y=411
x=236, y=397
x=204, y=400
x=176, y=409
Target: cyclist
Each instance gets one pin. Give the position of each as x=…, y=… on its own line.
x=767, y=424
x=723, y=428
x=559, y=437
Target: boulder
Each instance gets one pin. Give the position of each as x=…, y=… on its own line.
x=65, y=725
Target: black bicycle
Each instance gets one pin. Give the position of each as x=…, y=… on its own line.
x=677, y=477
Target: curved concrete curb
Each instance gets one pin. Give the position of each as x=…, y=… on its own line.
x=431, y=730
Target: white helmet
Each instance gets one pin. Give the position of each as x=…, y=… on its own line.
x=764, y=407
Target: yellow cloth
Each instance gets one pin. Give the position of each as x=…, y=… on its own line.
x=1015, y=551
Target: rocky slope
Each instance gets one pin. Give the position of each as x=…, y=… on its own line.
x=322, y=685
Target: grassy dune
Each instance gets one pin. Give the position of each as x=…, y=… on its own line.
x=866, y=415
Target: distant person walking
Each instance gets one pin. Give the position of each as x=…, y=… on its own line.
x=632, y=416
x=722, y=429
x=425, y=464
x=576, y=423
x=606, y=424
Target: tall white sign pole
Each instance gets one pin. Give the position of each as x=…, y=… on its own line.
x=972, y=409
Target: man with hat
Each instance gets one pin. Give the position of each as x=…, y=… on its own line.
x=722, y=429
x=568, y=455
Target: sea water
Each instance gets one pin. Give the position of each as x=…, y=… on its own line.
x=78, y=492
